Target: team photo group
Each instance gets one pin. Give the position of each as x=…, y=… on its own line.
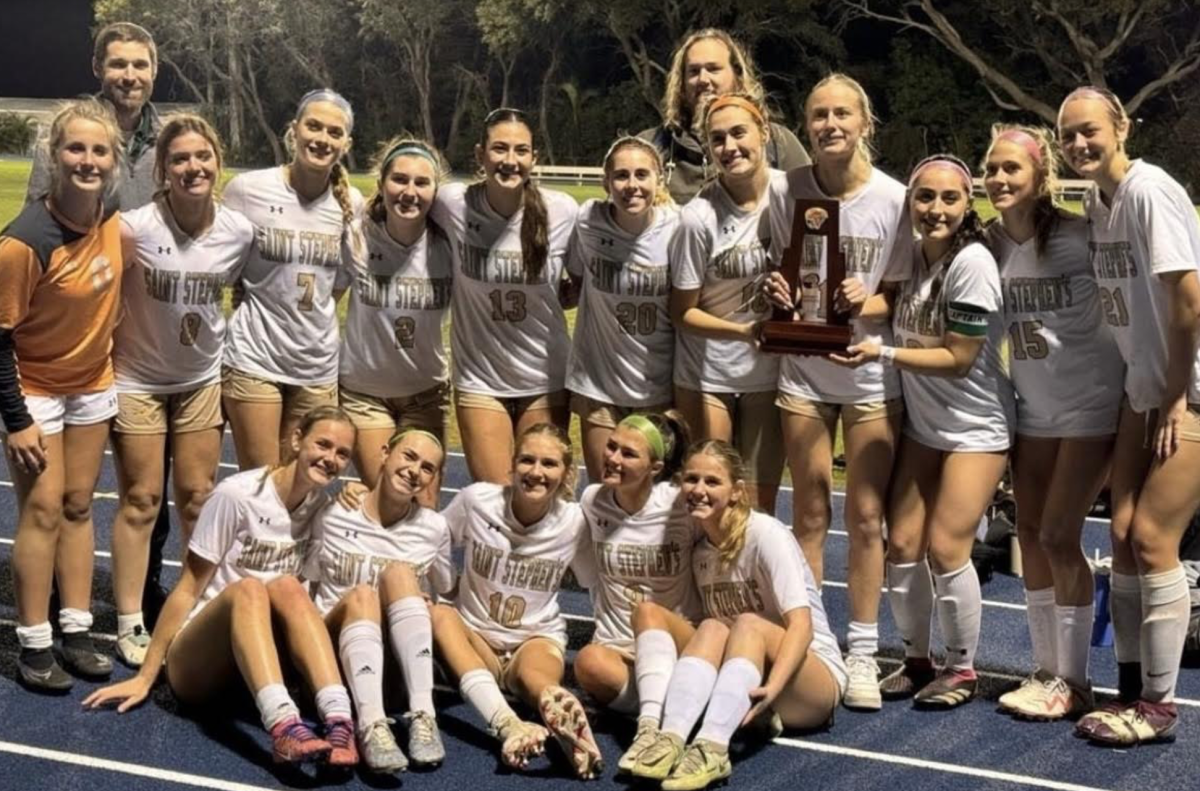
x=1049, y=348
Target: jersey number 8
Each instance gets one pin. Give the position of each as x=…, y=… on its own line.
x=189, y=329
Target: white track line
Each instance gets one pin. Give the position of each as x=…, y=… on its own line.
x=137, y=770
x=938, y=766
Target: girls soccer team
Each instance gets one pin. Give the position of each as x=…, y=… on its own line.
x=969, y=341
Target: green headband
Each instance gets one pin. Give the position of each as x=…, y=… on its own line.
x=647, y=429
x=402, y=433
x=409, y=149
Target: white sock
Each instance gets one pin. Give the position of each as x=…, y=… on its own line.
x=910, y=592
x=275, y=705
x=411, y=635
x=1074, y=642
x=960, y=609
x=479, y=688
x=1039, y=610
x=1125, y=610
x=1167, y=607
x=74, y=621
x=126, y=624
x=862, y=639
x=626, y=701
x=360, y=647
x=688, y=693
x=653, y=661
x=38, y=637
x=730, y=700
x=333, y=702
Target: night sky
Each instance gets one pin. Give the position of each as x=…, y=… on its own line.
x=47, y=48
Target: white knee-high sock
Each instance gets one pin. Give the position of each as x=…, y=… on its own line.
x=1039, y=610
x=333, y=702
x=360, y=647
x=1167, y=608
x=626, y=701
x=479, y=688
x=730, y=700
x=1074, y=626
x=862, y=639
x=960, y=609
x=1125, y=610
x=910, y=593
x=275, y=705
x=653, y=660
x=411, y=634
x=688, y=693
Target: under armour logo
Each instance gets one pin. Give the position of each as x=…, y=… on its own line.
x=276, y=209
x=474, y=226
x=365, y=670
x=493, y=527
x=603, y=523
x=264, y=520
x=164, y=250
x=606, y=241
x=728, y=229
x=375, y=256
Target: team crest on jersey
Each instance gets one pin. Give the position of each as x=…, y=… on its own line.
x=101, y=272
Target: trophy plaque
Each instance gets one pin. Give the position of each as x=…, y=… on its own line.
x=812, y=327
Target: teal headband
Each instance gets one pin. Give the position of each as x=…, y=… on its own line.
x=647, y=429
x=409, y=149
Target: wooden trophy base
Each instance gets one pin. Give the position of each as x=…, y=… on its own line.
x=798, y=337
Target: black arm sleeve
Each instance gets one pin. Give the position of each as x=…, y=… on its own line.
x=12, y=404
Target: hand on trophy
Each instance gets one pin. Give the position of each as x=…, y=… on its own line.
x=858, y=354
x=851, y=295
x=775, y=289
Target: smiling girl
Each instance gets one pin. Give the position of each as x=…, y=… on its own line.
x=959, y=415
x=282, y=347
x=182, y=250
x=765, y=628
x=60, y=281
x=814, y=393
x=1067, y=376
x=624, y=343
x=505, y=632
x=509, y=340
x=1145, y=248
x=376, y=561
x=723, y=385
x=392, y=362
x=238, y=601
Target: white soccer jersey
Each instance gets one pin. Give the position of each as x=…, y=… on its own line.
x=349, y=549
x=769, y=577
x=511, y=573
x=624, y=343
x=172, y=333
x=639, y=557
x=1150, y=229
x=246, y=531
x=286, y=328
x=509, y=337
x=722, y=250
x=1064, y=364
x=870, y=223
x=976, y=412
x=399, y=299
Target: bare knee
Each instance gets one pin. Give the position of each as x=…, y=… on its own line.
x=1060, y=546
x=362, y=600
x=140, y=505
x=398, y=581
x=710, y=629
x=904, y=548
x=77, y=506
x=192, y=499
x=286, y=594
x=865, y=525
x=444, y=617
x=746, y=623
x=42, y=513
x=591, y=669
x=250, y=594
x=648, y=615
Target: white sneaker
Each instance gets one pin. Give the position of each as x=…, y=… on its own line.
x=132, y=646
x=862, y=692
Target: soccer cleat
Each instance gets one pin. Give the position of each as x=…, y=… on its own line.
x=1028, y=695
x=703, y=764
x=132, y=646
x=905, y=680
x=293, y=742
x=949, y=690
x=1141, y=723
x=81, y=657
x=425, y=746
x=564, y=716
x=658, y=760
x=339, y=732
x=41, y=672
x=379, y=750
x=647, y=733
x=520, y=741
x=862, y=692
x=1093, y=718
x=1053, y=699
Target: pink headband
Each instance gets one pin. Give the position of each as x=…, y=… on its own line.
x=1024, y=140
x=952, y=163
